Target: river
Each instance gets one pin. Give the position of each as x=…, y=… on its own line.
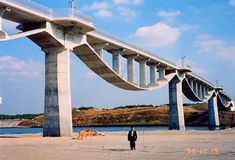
x=100, y=129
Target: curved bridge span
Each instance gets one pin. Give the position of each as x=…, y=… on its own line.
x=58, y=32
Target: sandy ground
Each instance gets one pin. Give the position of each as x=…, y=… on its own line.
x=159, y=145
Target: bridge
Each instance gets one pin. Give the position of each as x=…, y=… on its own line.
x=58, y=32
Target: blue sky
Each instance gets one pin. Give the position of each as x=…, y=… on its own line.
x=201, y=30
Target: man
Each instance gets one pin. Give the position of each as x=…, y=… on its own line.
x=132, y=137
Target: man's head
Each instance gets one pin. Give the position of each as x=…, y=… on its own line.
x=132, y=128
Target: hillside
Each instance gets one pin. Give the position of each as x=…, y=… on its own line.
x=195, y=114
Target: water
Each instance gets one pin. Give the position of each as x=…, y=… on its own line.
x=100, y=129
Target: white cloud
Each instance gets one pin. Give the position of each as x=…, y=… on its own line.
x=117, y=2
x=100, y=9
x=96, y=6
x=157, y=35
x=15, y=68
x=168, y=14
x=104, y=14
x=120, y=2
x=232, y=2
x=219, y=48
x=127, y=13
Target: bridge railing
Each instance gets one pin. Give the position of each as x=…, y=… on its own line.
x=32, y=6
x=58, y=13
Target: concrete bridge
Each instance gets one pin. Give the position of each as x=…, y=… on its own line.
x=60, y=32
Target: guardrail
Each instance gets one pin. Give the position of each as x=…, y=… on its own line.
x=58, y=13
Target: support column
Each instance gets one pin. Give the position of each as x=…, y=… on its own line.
x=99, y=48
x=142, y=73
x=199, y=90
x=2, y=11
x=191, y=83
x=162, y=73
x=58, y=110
x=207, y=90
x=213, y=115
x=100, y=52
x=116, y=62
x=152, y=74
x=176, y=111
x=196, y=88
x=0, y=21
x=131, y=69
x=204, y=91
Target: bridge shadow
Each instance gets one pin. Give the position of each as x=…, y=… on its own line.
x=117, y=150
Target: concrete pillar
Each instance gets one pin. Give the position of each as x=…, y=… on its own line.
x=152, y=74
x=196, y=88
x=162, y=73
x=199, y=90
x=204, y=91
x=0, y=22
x=207, y=90
x=131, y=69
x=191, y=83
x=213, y=115
x=100, y=52
x=176, y=111
x=57, y=111
x=116, y=62
x=142, y=73
x=2, y=11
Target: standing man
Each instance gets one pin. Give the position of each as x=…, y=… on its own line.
x=132, y=137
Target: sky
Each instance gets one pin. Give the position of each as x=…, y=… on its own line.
x=201, y=30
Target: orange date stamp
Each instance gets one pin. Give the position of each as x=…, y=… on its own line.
x=193, y=151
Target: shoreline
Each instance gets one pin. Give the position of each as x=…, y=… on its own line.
x=113, y=125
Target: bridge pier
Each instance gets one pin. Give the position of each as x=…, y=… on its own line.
x=176, y=111
x=213, y=115
x=57, y=111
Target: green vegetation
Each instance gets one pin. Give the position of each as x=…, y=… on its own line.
x=19, y=116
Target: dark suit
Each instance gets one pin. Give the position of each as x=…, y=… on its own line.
x=132, y=138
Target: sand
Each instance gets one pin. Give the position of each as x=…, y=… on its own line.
x=158, y=145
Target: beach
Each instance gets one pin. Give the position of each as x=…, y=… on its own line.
x=151, y=145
